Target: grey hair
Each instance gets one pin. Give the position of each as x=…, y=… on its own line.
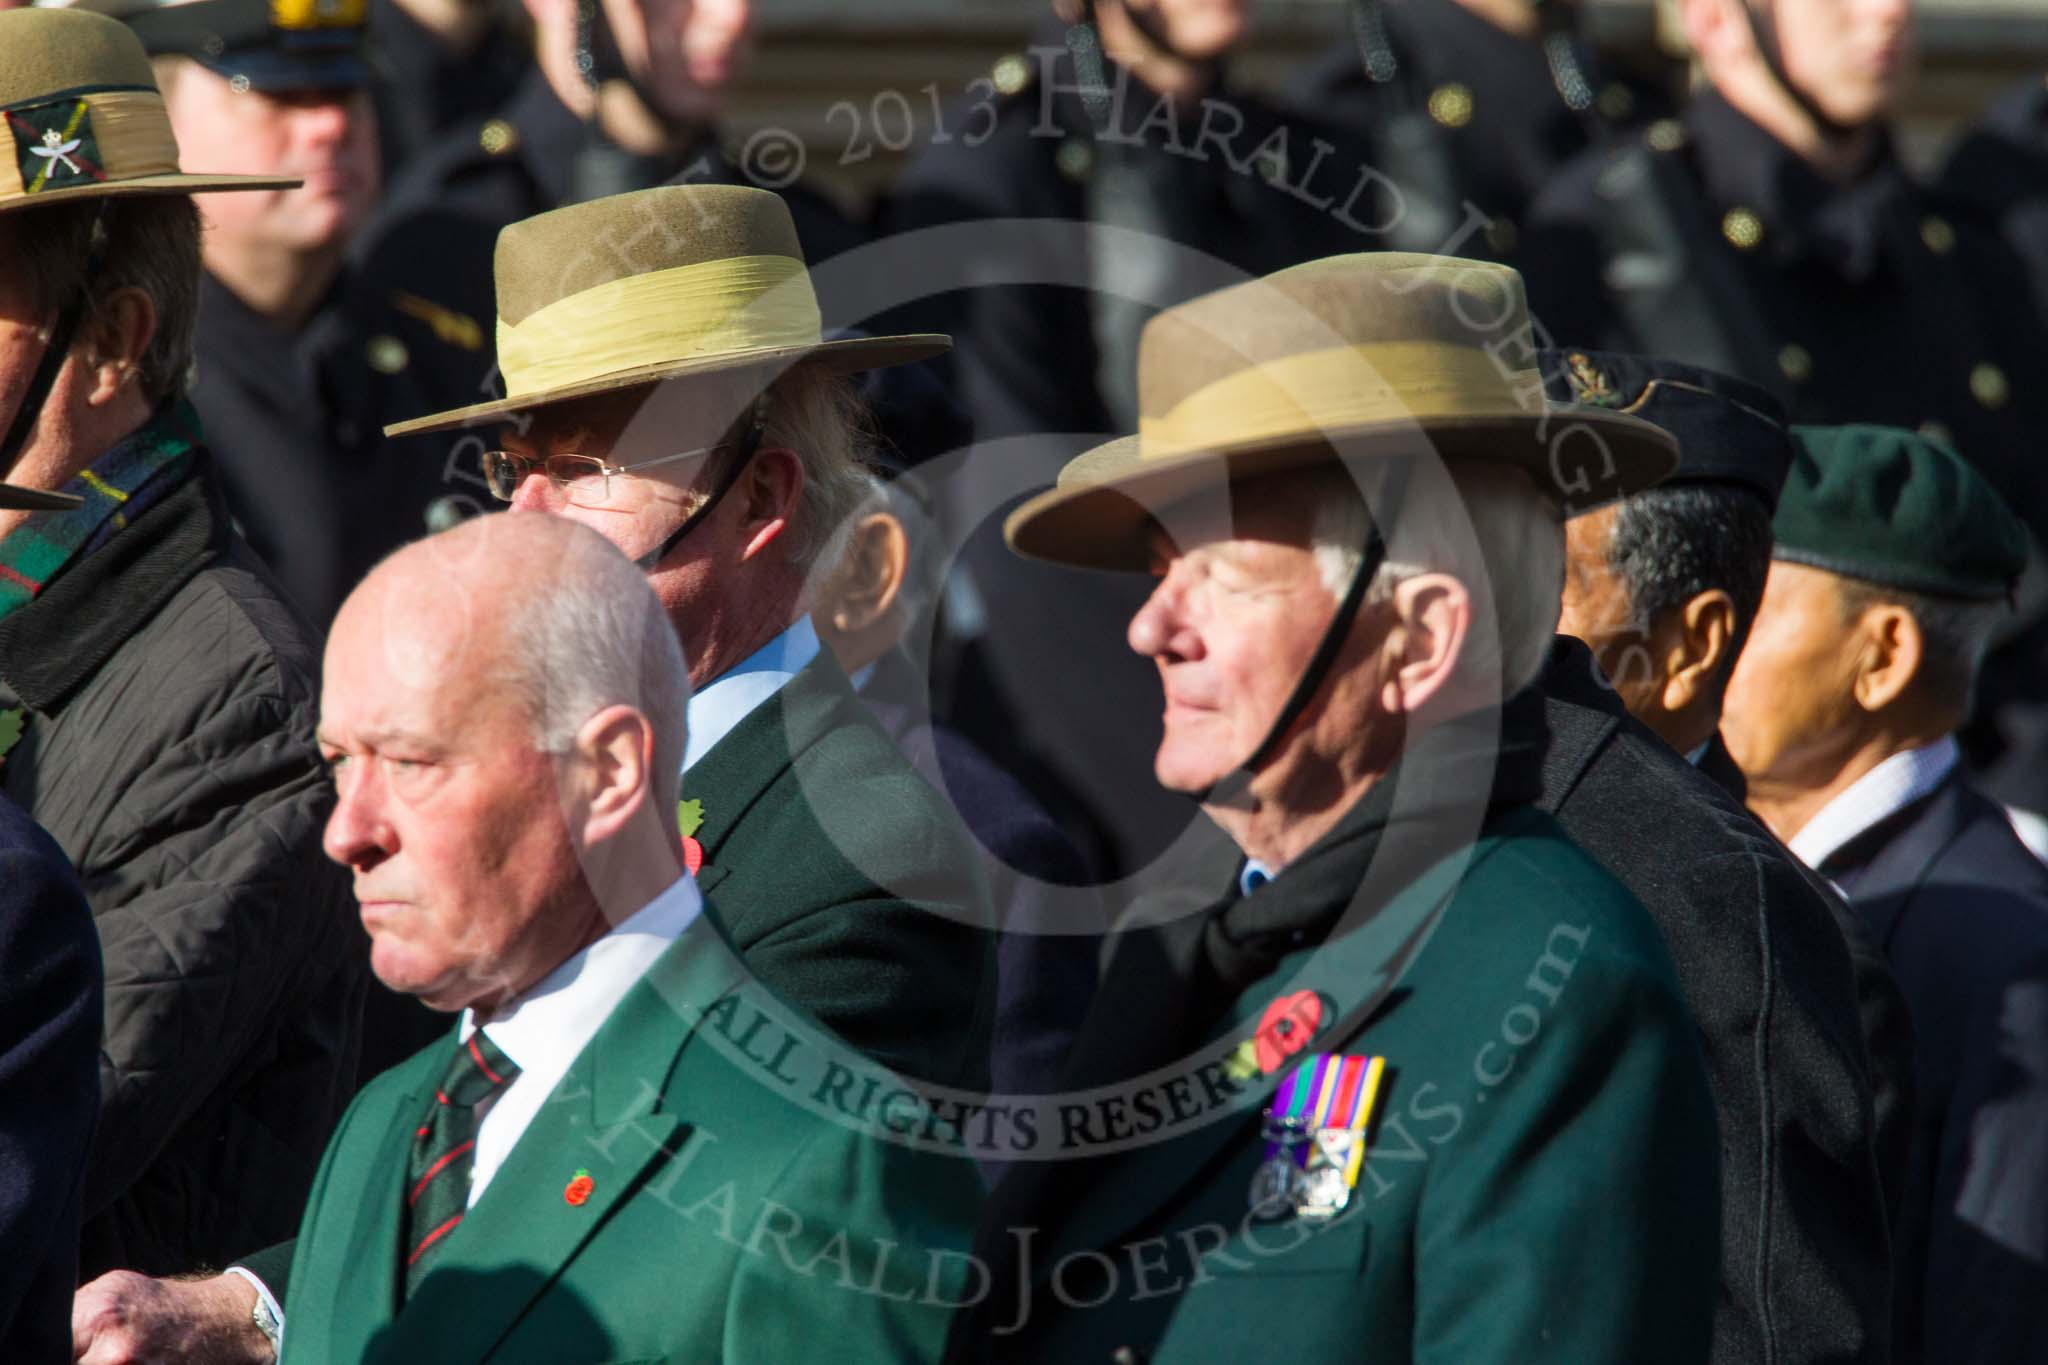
x=1669, y=545
x=593, y=634
x=1518, y=531
x=820, y=416
x=1955, y=635
x=150, y=243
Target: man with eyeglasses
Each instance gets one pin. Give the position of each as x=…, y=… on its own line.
x=668, y=385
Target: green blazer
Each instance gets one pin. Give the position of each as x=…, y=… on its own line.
x=724, y=1222
x=1542, y=1179
x=848, y=882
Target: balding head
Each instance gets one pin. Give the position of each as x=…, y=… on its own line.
x=503, y=712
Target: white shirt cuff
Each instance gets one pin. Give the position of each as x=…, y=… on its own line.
x=263, y=1292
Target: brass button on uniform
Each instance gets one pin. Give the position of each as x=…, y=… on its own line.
x=1617, y=102
x=386, y=354
x=1796, y=362
x=1742, y=228
x=1936, y=431
x=1502, y=236
x=1665, y=135
x=1938, y=235
x=1451, y=105
x=1076, y=159
x=1988, y=385
x=497, y=137
x=1010, y=74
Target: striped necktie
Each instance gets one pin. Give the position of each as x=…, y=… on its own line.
x=444, y=1151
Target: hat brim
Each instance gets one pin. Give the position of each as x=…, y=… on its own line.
x=1101, y=513
x=15, y=498
x=178, y=183
x=841, y=357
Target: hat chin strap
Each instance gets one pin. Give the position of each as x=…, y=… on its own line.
x=650, y=561
x=62, y=332
x=1236, y=784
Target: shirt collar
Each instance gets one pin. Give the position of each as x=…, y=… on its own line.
x=721, y=704
x=1882, y=792
x=1253, y=875
x=1699, y=753
x=544, y=1028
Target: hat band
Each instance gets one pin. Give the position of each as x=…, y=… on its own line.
x=1312, y=392
x=119, y=135
x=687, y=312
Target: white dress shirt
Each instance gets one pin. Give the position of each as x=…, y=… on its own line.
x=727, y=699
x=544, y=1029
x=1885, y=790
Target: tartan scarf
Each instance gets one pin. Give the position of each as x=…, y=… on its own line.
x=133, y=474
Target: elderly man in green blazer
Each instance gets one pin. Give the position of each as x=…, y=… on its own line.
x=1391, y=1071
x=616, y=1154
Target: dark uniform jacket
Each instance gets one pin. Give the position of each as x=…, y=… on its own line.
x=49, y=1085
x=1711, y=242
x=1458, y=111
x=1961, y=906
x=2000, y=169
x=1805, y=1274
x=295, y=420
x=1542, y=1179
x=171, y=697
x=1043, y=889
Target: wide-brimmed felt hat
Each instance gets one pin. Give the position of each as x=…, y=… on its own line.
x=280, y=45
x=683, y=280
x=81, y=117
x=1347, y=358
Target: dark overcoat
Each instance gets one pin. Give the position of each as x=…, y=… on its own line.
x=1805, y=1270
x=170, y=697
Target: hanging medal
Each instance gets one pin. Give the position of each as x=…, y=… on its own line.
x=1315, y=1135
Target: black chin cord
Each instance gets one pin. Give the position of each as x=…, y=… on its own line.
x=1773, y=54
x=62, y=333
x=1233, y=786
x=648, y=562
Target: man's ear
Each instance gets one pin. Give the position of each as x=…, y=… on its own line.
x=1713, y=29
x=616, y=750
x=1888, y=649
x=116, y=335
x=1432, y=618
x=769, y=490
x=1698, y=643
x=877, y=557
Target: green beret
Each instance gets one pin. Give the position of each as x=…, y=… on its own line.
x=1892, y=507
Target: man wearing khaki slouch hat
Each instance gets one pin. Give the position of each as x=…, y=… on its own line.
x=157, y=693
x=1389, y=1070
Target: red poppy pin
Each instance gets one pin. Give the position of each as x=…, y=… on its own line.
x=1286, y=1028
x=579, y=1189
x=689, y=819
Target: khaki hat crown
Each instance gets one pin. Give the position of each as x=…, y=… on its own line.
x=1357, y=356
x=657, y=284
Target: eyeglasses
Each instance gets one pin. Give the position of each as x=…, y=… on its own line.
x=586, y=479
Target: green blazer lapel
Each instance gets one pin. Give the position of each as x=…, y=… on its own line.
x=743, y=765
x=372, y=1263
x=1362, y=975
x=610, y=1118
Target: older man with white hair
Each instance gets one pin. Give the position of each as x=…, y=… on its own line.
x=1486, y=1130
x=591, y=1163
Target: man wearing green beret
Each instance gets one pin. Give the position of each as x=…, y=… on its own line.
x=1895, y=563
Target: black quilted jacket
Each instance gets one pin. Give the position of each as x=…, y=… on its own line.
x=170, y=698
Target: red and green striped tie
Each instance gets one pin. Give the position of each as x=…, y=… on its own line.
x=444, y=1151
